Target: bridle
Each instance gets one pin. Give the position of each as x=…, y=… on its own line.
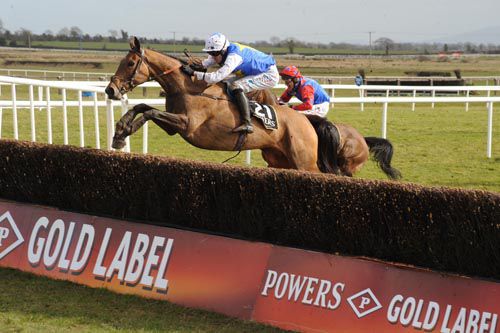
x=130, y=81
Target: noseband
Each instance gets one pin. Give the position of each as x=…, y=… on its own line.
x=130, y=82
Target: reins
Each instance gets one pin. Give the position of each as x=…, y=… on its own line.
x=142, y=60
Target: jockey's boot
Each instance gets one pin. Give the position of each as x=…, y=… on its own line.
x=242, y=102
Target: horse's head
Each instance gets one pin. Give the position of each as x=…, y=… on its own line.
x=131, y=72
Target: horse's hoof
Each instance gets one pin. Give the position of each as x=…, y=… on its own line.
x=118, y=143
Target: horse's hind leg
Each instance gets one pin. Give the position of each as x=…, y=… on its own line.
x=353, y=156
x=303, y=154
x=275, y=159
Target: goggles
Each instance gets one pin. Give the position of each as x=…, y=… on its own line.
x=214, y=53
x=286, y=77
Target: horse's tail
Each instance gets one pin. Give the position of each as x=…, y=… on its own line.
x=328, y=144
x=382, y=150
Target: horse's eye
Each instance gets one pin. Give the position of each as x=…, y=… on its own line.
x=130, y=63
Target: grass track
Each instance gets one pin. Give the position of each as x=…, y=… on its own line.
x=444, y=146
x=30, y=303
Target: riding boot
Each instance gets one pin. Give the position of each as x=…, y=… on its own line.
x=244, y=108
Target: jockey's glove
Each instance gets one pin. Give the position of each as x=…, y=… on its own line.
x=198, y=67
x=188, y=70
x=200, y=75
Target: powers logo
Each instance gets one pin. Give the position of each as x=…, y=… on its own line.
x=364, y=303
x=10, y=237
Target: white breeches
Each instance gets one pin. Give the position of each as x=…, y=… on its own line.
x=318, y=109
x=266, y=80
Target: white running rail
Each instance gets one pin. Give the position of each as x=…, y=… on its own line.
x=461, y=94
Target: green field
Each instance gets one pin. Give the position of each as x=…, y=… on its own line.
x=193, y=48
x=444, y=146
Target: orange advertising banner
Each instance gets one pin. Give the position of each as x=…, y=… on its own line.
x=316, y=292
x=285, y=287
x=194, y=269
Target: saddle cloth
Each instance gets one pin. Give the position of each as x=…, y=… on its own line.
x=266, y=114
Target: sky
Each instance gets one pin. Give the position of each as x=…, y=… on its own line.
x=322, y=21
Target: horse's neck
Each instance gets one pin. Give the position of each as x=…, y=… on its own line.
x=171, y=80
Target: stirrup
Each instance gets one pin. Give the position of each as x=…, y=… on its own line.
x=243, y=128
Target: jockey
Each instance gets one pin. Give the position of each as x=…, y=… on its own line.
x=314, y=98
x=253, y=70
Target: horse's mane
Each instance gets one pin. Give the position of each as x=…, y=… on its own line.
x=182, y=61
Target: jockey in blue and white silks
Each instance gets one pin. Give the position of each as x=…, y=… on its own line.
x=252, y=69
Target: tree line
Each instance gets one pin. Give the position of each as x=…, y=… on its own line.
x=24, y=37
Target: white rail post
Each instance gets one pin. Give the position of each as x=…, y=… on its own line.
x=248, y=157
x=110, y=121
x=361, y=94
x=65, y=117
x=49, y=116
x=80, y=118
x=124, y=102
x=467, y=103
x=433, y=96
x=96, y=122
x=40, y=96
x=333, y=96
x=14, y=111
x=490, y=130
x=32, y=112
x=384, y=117
x=488, y=95
x=413, y=104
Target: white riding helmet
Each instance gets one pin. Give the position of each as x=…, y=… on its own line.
x=216, y=42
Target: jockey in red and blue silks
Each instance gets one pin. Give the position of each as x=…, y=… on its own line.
x=314, y=98
x=254, y=70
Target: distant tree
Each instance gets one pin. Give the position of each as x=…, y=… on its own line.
x=113, y=33
x=469, y=47
x=124, y=35
x=445, y=48
x=3, y=41
x=64, y=33
x=291, y=44
x=75, y=32
x=275, y=41
x=385, y=44
x=25, y=36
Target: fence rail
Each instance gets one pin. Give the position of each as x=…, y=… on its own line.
x=420, y=94
x=326, y=79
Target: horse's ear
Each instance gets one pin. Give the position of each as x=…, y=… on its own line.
x=135, y=45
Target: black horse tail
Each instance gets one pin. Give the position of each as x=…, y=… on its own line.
x=381, y=150
x=328, y=144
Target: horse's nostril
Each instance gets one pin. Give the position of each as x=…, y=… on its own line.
x=109, y=91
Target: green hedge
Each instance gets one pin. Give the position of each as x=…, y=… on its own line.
x=440, y=228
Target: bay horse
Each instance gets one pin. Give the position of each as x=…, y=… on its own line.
x=204, y=116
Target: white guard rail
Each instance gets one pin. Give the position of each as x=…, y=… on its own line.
x=98, y=88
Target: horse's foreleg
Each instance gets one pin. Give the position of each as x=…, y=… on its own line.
x=170, y=122
x=127, y=125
